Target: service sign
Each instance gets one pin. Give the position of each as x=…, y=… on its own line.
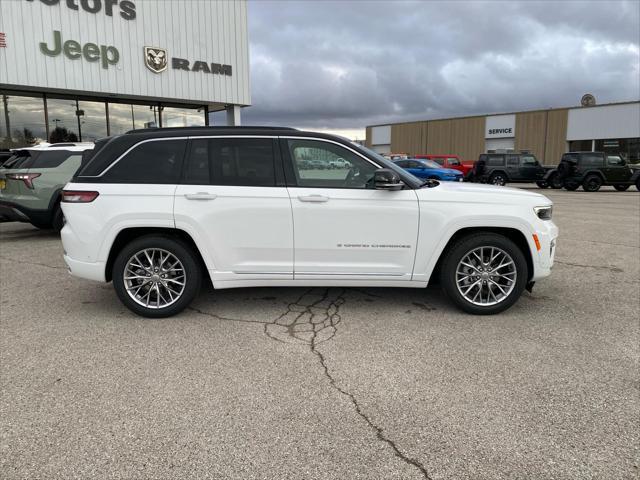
x=500, y=126
x=160, y=49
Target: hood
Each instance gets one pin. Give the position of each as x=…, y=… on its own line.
x=478, y=192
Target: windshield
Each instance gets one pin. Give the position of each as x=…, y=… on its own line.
x=404, y=175
x=431, y=164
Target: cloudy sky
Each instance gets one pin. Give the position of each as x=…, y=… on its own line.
x=342, y=65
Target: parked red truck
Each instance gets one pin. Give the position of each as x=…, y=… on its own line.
x=450, y=161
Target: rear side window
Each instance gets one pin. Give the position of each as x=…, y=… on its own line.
x=591, y=160
x=157, y=161
x=231, y=161
x=512, y=160
x=495, y=161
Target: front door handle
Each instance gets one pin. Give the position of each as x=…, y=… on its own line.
x=200, y=196
x=313, y=198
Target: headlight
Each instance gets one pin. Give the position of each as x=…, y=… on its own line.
x=544, y=213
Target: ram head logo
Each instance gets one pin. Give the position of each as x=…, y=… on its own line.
x=155, y=59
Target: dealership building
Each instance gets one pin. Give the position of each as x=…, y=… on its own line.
x=548, y=133
x=85, y=69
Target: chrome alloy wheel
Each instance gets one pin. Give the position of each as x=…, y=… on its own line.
x=154, y=278
x=486, y=276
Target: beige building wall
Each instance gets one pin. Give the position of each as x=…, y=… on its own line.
x=531, y=132
x=467, y=137
x=408, y=138
x=556, y=143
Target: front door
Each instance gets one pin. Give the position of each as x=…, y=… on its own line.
x=530, y=169
x=616, y=170
x=231, y=204
x=343, y=227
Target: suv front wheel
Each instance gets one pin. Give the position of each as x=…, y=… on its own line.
x=156, y=276
x=592, y=183
x=484, y=273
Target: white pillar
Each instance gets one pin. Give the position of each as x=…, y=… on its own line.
x=233, y=115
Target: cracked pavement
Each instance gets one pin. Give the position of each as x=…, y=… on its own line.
x=272, y=383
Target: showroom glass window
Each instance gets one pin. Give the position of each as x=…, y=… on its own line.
x=93, y=120
x=21, y=120
x=63, y=122
x=326, y=165
x=156, y=161
x=182, y=117
x=124, y=117
x=628, y=148
x=231, y=161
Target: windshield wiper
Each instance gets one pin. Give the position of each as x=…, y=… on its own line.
x=430, y=183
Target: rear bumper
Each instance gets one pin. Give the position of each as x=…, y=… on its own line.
x=90, y=271
x=13, y=212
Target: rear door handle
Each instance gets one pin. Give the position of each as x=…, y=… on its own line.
x=313, y=198
x=200, y=196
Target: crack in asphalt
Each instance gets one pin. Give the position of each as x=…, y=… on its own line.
x=314, y=322
x=597, y=267
x=19, y=260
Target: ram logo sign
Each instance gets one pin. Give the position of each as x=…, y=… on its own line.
x=155, y=59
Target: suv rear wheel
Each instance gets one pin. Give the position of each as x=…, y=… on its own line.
x=484, y=273
x=58, y=219
x=156, y=276
x=555, y=181
x=498, y=179
x=592, y=183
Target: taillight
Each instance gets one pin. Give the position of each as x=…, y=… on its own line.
x=27, y=178
x=78, y=196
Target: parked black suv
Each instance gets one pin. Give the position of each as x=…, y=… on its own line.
x=502, y=168
x=592, y=170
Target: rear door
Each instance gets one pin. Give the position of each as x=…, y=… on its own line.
x=233, y=201
x=343, y=227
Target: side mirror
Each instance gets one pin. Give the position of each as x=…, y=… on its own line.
x=387, y=179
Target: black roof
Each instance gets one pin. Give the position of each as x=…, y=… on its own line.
x=208, y=129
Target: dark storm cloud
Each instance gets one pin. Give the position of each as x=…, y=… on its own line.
x=345, y=64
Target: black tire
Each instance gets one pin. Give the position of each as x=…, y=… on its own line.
x=542, y=184
x=638, y=184
x=621, y=187
x=592, y=183
x=182, y=251
x=555, y=181
x=58, y=219
x=498, y=178
x=456, y=252
x=571, y=185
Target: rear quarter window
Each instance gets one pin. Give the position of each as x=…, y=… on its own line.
x=155, y=161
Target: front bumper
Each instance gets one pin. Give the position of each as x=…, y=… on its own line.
x=547, y=234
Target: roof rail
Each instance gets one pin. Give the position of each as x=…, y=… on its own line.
x=222, y=127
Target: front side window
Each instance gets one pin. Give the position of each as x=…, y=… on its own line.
x=156, y=161
x=614, y=160
x=528, y=160
x=453, y=161
x=439, y=161
x=231, y=161
x=320, y=155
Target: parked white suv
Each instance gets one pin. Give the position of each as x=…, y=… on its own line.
x=154, y=209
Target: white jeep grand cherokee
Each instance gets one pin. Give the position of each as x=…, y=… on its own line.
x=152, y=210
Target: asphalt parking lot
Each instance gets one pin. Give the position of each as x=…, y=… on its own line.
x=329, y=383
